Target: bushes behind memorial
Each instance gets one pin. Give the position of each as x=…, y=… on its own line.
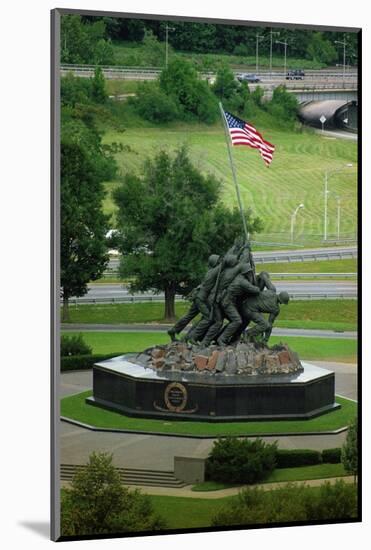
x=74, y=345
x=83, y=362
x=240, y=461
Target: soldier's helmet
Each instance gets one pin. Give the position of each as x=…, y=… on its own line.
x=245, y=268
x=213, y=260
x=284, y=297
x=230, y=260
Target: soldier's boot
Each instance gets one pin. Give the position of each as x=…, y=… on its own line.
x=171, y=332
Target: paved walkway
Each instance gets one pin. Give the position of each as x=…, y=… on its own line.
x=156, y=451
x=212, y=495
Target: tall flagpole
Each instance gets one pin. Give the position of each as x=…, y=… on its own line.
x=227, y=138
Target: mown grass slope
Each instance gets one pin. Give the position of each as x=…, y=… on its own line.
x=295, y=176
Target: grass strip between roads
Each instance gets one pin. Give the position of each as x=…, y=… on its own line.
x=314, y=314
x=76, y=408
x=321, y=349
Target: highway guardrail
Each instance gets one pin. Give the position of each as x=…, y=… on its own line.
x=351, y=295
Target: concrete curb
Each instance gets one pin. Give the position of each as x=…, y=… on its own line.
x=190, y=436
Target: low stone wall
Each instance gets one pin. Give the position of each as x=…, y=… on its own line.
x=189, y=469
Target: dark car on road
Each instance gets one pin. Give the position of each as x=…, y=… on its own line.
x=295, y=74
x=248, y=77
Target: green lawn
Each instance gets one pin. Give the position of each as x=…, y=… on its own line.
x=76, y=408
x=118, y=87
x=188, y=513
x=302, y=473
x=330, y=349
x=135, y=54
x=320, y=314
x=295, y=176
x=323, y=266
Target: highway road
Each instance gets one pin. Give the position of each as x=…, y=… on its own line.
x=298, y=255
x=118, y=292
x=149, y=327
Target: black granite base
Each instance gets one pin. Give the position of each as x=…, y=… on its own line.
x=120, y=385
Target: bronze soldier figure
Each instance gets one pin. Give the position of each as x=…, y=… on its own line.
x=230, y=269
x=253, y=308
x=199, y=298
x=237, y=291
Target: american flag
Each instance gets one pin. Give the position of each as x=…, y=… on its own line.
x=243, y=133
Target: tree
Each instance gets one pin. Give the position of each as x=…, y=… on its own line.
x=225, y=85
x=98, y=86
x=349, y=451
x=84, y=166
x=97, y=503
x=194, y=97
x=171, y=220
x=84, y=42
x=320, y=49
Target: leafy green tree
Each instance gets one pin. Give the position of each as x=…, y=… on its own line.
x=84, y=42
x=97, y=503
x=153, y=104
x=320, y=49
x=98, y=86
x=193, y=95
x=349, y=452
x=225, y=85
x=283, y=106
x=154, y=49
x=84, y=166
x=171, y=220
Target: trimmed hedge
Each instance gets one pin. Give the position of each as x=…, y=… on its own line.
x=331, y=456
x=297, y=457
x=82, y=362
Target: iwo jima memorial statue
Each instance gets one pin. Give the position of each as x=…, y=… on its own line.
x=222, y=368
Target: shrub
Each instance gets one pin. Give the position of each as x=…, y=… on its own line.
x=349, y=451
x=240, y=461
x=74, y=345
x=193, y=95
x=297, y=457
x=334, y=501
x=97, y=502
x=155, y=105
x=290, y=503
x=331, y=456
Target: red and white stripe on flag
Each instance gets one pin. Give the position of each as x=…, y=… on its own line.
x=243, y=133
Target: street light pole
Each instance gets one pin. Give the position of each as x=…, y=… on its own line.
x=258, y=37
x=270, y=56
x=325, y=220
x=327, y=174
x=293, y=217
x=343, y=42
x=338, y=222
x=167, y=44
x=284, y=66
